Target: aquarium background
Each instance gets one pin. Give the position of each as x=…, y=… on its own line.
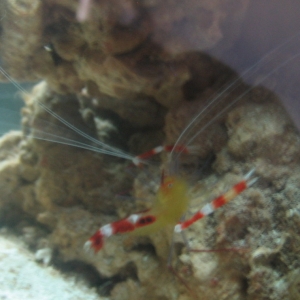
x=10, y=108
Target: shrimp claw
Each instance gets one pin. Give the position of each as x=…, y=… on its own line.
x=218, y=202
x=135, y=221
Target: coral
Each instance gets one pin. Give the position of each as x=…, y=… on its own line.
x=119, y=51
x=130, y=76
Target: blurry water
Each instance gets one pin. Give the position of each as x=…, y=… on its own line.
x=10, y=107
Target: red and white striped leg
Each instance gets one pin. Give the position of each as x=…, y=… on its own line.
x=138, y=160
x=96, y=242
x=218, y=202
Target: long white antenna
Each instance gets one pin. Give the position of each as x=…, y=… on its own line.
x=104, y=148
x=246, y=75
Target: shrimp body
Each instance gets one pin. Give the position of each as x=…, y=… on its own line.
x=170, y=204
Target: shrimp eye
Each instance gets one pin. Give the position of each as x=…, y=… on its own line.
x=169, y=185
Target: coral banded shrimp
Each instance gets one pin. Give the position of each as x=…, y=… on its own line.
x=163, y=213
x=170, y=204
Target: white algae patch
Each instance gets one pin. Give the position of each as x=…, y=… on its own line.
x=22, y=278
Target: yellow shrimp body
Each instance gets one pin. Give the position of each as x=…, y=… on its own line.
x=170, y=204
